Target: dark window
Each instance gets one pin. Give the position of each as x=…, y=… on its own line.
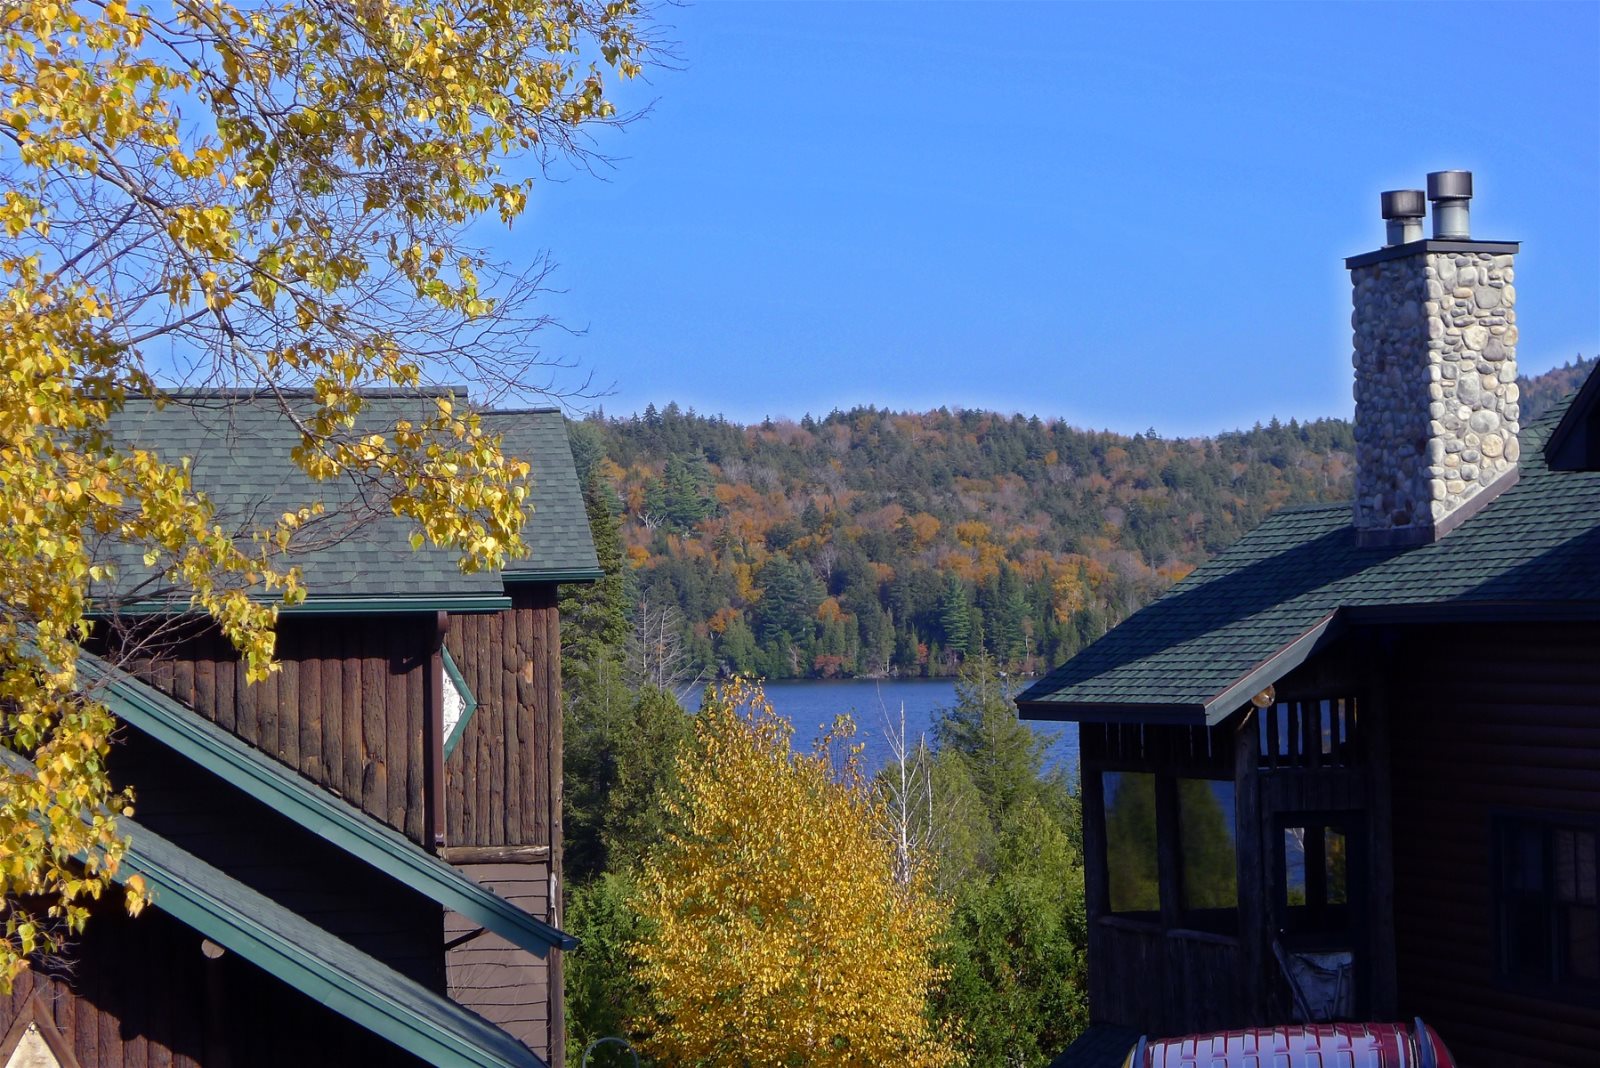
x=1131, y=860
x=1196, y=818
x=1315, y=872
x=1209, y=849
x=1310, y=734
x=1547, y=907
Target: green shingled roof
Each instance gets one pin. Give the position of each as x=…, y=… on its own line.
x=239, y=445
x=1264, y=605
x=286, y=945
x=282, y=789
x=558, y=531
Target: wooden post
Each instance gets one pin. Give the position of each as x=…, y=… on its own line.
x=1374, y=714
x=551, y=656
x=433, y=743
x=1096, y=884
x=1255, y=919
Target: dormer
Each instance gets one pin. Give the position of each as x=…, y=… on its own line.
x=1574, y=445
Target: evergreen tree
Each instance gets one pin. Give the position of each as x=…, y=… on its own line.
x=955, y=614
x=594, y=616
x=1004, y=755
x=1016, y=953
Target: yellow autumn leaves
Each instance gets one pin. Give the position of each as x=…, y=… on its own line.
x=778, y=933
x=270, y=196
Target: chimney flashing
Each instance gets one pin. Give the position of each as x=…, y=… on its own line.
x=1427, y=533
x=1432, y=244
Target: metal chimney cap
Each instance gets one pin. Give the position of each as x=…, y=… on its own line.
x=1450, y=185
x=1403, y=204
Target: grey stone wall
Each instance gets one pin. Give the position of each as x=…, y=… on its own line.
x=1435, y=336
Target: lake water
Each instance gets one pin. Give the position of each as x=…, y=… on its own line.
x=875, y=703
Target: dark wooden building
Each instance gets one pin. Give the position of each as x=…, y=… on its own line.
x=357, y=861
x=1350, y=769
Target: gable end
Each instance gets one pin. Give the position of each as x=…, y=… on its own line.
x=1574, y=445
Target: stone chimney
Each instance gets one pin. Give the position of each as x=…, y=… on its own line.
x=1435, y=327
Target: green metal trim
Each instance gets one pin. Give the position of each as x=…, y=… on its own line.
x=453, y=673
x=265, y=933
x=281, y=789
x=378, y=605
x=346, y=606
x=581, y=574
x=369, y=1005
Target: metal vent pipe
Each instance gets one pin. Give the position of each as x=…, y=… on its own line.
x=1451, y=193
x=1403, y=210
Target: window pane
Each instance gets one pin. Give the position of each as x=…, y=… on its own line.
x=1209, y=851
x=1131, y=858
x=1336, y=867
x=1586, y=866
x=1294, y=864
x=1583, y=944
x=1564, y=847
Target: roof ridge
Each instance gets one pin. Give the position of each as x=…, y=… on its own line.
x=1326, y=506
x=296, y=392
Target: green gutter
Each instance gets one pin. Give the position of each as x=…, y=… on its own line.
x=344, y=606
x=375, y=605
x=286, y=792
x=579, y=574
x=289, y=947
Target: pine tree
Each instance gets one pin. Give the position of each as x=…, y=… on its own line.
x=955, y=615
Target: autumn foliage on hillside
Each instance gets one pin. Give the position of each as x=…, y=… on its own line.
x=873, y=542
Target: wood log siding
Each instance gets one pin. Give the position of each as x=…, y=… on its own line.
x=504, y=777
x=281, y=860
x=1472, y=736
x=344, y=709
x=503, y=781
x=112, y=1017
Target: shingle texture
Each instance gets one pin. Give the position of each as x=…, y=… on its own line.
x=558, y=530
x=240, y=445
x=1101, y=1046
x=1537, y=544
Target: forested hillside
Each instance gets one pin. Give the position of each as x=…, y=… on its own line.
x=874, y=542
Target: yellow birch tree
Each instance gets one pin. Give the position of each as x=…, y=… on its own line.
x=778, y=933
x=267, y=196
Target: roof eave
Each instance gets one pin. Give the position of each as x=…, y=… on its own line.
x=1176, y=715
x=329, y=606
x=578, y=574
x=1196, y=714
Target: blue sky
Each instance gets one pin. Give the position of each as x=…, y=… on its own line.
x=1126, y=215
